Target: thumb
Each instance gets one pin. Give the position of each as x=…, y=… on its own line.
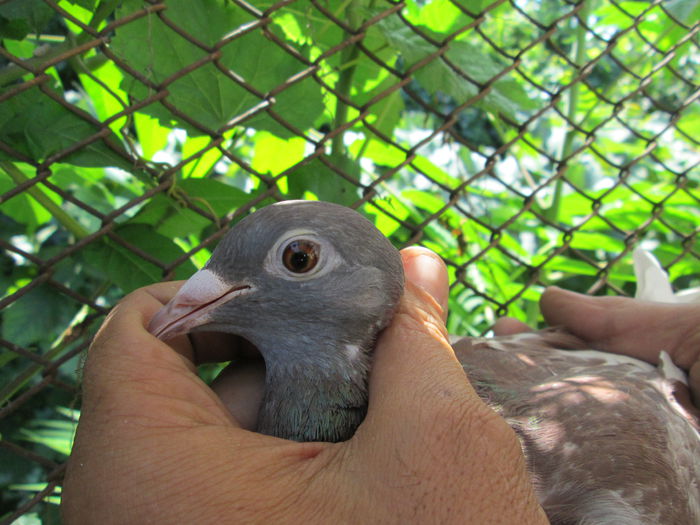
x=128, y=371
x=425, y=425
x=415, y=373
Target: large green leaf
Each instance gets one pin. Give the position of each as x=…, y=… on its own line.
x=19, y=17
x=323, y=182
x=207, y=95
x=129, y=270
x=37, y=316
x=170, y=218
x=23, y=208
x=37, y=126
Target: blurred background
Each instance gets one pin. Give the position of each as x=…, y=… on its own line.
x=529, y=142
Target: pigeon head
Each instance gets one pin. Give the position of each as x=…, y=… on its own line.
x=310, y=284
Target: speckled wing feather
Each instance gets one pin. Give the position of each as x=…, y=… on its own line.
x=606, y=440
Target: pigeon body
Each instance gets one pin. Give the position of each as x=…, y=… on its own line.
x=310, y=284
x=604, y=438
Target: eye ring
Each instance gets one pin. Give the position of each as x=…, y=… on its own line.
x=300, y=256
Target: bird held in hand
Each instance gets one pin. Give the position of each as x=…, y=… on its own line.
x=311, y=284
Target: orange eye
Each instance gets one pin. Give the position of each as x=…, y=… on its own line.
x=300, y=256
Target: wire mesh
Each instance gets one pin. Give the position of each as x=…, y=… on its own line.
x=529, y=142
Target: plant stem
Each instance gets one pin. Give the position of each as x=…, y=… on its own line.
x=552, y=213
x=68, y=222
x=344, y=85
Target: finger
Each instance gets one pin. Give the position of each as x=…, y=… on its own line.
x=627, y=326
x=414, y=364
x=510, y=326
x=425, y=424
x=203, y=347
x=128, y=371
x=241, y=386
x=161, y=293
x=199, y=347
x=217, y=347
x=426, y=269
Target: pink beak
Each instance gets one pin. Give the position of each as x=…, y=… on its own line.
x=192, y=305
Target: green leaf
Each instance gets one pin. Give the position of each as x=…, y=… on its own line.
x=57, y=435
x=6, y=356
x=687, y=11
x=214, y=195
x=37, y=316
x=28, y=519
x=578, y=268
x=86, y=184
x=272, y=155
x=38, y=127
x=206, y=94
x=383, y=221
x=23, y=208
x=106, y=103
x=425, y=200
x=435, y=173
x=203, y=164
x=169, y=218
x=152, y=136
x=20, y=48
x=381, y=153
x=506, y=95
x=386, y=113
x=596, y=241
x=19, y=17
x=439, y=15
x=129, y=270
x=87, y=4
x=324, y=182
x=78, y=10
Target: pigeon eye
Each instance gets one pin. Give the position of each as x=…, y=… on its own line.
x=300, y=256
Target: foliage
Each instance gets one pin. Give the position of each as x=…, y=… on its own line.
x=552, y=171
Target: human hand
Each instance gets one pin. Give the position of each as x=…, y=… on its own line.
x=623, y=325
x=155, y=444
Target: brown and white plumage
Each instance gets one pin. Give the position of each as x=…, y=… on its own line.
x=606, y=440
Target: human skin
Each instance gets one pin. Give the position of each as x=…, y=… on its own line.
x=157, y=445
x=626, y=326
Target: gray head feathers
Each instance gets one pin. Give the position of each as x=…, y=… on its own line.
x=310, y=284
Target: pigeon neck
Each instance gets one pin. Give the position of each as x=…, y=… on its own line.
x=320, y=399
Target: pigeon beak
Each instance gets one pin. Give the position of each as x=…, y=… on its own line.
x=192, y=305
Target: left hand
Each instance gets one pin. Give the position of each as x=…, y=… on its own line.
x=623, y=325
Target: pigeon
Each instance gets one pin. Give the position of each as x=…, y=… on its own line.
x=311, y=284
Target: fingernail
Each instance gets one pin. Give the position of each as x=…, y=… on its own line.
x=426, y=269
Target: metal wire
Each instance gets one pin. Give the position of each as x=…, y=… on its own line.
x=553, y=70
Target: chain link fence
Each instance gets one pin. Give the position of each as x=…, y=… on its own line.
x=529, y=142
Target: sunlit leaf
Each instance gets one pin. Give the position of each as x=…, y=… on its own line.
x=127, y=269
x=207, y=95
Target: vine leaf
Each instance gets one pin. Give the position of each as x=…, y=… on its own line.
x=212, y=94
x=25, y=119
x=129, y=270
x=321, y=180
